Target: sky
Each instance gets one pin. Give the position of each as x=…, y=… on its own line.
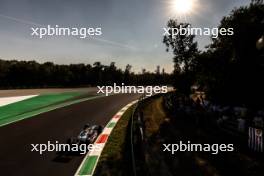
x=131, y=30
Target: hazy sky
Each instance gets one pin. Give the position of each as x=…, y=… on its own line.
x=132, y=30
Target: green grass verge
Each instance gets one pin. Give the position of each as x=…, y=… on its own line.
x=88, y=165
x=111, y=161
x=14, y=111
x=154, y=116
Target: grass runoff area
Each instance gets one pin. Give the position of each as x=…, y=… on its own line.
x=26, y=108
x=114, y=158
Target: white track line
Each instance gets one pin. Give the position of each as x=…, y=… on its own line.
x=9, y=100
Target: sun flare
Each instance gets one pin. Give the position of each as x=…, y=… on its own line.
x=183, y=6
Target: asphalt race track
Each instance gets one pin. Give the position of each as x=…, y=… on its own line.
x=16, y=157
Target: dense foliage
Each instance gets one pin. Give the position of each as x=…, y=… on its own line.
x=185, y=51
x=231, y=69
x=30, y=74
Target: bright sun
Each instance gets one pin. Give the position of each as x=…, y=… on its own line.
x=182, y=6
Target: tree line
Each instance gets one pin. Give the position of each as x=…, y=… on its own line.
x=231, y=69
x=31, y=74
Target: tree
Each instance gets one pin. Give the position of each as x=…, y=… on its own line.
x=185, y=50
x=257, y=1
x=157, y=71
x=235, y=63
x=127, y=72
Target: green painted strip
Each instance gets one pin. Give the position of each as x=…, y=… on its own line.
x=88, y=166
x=34, y=103
x=26, y=115
x=111, y=125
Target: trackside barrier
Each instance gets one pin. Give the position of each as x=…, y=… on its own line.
x=137, y=137
x=136, y=125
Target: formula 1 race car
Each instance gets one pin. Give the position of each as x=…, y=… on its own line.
x=88, y=135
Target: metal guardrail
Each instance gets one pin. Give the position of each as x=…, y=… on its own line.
x=132, y=135
x=131, y=142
